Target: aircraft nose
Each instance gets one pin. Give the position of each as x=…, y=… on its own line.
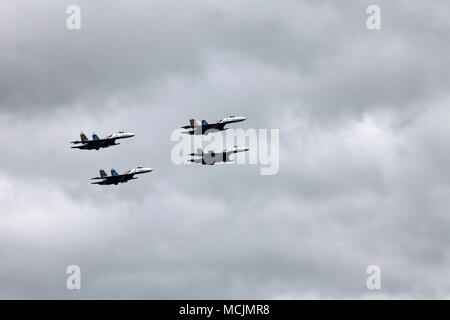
x=130, y=134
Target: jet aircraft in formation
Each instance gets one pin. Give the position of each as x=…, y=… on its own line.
x=212, y=157
x=206, y=128
x=203, y=128
x=116, y=178
x=97, y=143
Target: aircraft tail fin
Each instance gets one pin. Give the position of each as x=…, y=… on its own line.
x=114, y=172
x=95, y=136
x=193, y=123
x=103, y=174
x=83, y=137
x=204, y=122
x=199, y=153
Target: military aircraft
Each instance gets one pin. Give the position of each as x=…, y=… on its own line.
x=206, y=128
x=97, y=143
x=116, y=178
x=212, y=157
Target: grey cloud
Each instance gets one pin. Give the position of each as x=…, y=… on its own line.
x=362, y=118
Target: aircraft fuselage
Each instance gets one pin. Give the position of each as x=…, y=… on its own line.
x=206, y=128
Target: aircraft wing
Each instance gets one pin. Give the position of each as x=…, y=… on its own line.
x=220, y=126
x=96, y=141
x=101, y=140
x=119, y=178
x=86, y=141
x=106, y=177
x=123, y=175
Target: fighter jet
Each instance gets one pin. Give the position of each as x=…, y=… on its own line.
x=212, y=157
x=97, y=143
x=116, y=178
x=206, y=128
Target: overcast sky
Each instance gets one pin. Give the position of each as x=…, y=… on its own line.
x=364, y=150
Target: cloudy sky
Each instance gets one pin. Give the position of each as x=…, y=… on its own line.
x=364, y=150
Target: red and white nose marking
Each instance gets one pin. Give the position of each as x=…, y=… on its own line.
x=232, y=119
x=124, y=135
x=140, y=170
x=237, y=149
